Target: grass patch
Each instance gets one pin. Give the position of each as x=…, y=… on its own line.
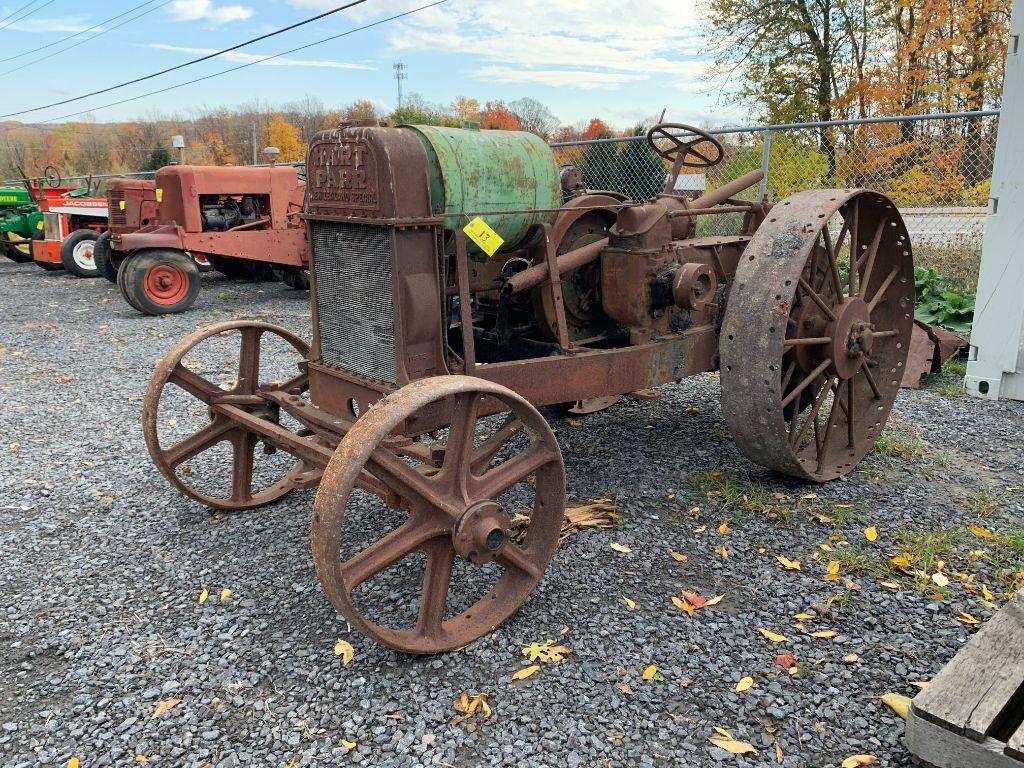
x=959, y=265
x=900, y=443
x=740, y=498
x=985, y=504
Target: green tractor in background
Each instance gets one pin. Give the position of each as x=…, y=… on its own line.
x=20, y=220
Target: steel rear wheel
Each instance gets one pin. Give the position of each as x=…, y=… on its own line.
x=455, y=513
x=219, y=428
x=813, y=346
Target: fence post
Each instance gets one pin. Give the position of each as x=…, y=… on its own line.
x=766, y=151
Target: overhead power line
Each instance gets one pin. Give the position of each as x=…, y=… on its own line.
x=248, y=64
x=26, y=14
x=19, y=10
x=80, y=32
x=86, y=40
x=207, y=57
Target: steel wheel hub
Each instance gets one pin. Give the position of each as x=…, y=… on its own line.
x=481, y=532
x=852, y=337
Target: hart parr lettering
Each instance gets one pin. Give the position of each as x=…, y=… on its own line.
x=344, y=175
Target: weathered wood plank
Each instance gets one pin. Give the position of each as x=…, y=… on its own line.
x=970, y=692
x=1015, y=746
x=932, y=744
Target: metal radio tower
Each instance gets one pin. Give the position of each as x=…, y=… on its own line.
x=400, y=75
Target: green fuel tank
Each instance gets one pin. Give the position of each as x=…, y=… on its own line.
x=473, y=171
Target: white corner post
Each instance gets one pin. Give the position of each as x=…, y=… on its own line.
x=995, y=369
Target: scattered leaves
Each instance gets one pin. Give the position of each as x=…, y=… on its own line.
x=204, y=596
x=966, y=618
x=164, y=706
x=547, y=651
x=344, y=649
x=851, y=658
x=773, y=636
x=678, y=557
x=871, y=534
x=745, y=684
x=467, y=707
x=732, y=746
x=650, y=672
x=73, y=762
x=225, y=594
x=524, y=673
x=348, y=744
x=620, y=548
x=855, y=761
x=940, y=579
x=789, y=565
x=824, y=634
x=984, y=533
x=897, y=703
x=786, y=660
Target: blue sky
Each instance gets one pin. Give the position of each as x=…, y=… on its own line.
x=616, y=59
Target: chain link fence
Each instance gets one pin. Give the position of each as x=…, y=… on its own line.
x=936, y=168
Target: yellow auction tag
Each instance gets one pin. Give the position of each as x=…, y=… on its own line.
x=39, y=225
x=121, y=204
x=159, y=195
x=486, y=238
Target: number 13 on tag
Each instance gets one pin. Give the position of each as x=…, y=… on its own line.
x=486, y=238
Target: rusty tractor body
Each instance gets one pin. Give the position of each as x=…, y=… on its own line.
x=228, y=216
x=416, y=403
x=72, y=223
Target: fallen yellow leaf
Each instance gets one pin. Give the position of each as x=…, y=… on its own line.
x=966, y=618
x=890, y=584
x=803, y=616
x=733, y=746
x=225, y=594
x=789, y=565
x=203, y=596
x=871, y=534
x=855, y=761
x=73, y=762
x=524, y=673
x=629, y=603
x=724, y=527
x=620, y=548
x=344, y=649
x=774, y=637
x=850, y=658
x=164, y=706
x=920, y=683
x=722, y=551
x=832, y=569
x=683, y=605
x=744, y=684
x=650, y=672
x=348, y=744
x=824, y=634
x=940, y=579
x=714, y=601
x=897, y=703
x=700, y=529
x=679, y=558
x=984, y=533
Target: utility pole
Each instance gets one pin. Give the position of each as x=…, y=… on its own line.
x=255, y=153
x=400, y=75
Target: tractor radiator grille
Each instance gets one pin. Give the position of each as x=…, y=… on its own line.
x=116, y=213
x=353, y=298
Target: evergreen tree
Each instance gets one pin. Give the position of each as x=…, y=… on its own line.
x=158, y=157
x=640, y=168
x=600, y=166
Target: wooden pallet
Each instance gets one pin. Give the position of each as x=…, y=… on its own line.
x=972, y=714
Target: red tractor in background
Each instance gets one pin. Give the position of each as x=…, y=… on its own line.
x=71, y=224
x=242, y=220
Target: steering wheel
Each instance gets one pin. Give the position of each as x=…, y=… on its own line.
x=51, y=176
x=680, y=151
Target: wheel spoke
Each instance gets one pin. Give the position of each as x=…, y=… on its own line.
x=795, y=392
x=812, y=417
x=854, y=245
x=871, y=381
x=515, y=557
x=822, y=445
x=296, y=384
x=461, y=433
x=249, y=361
x=833, y=265
x=489, y=448
x=880, y=293
x=790, y=369
x=808, y=342
x=203, y=440
x=242, y=459
x=869, y=258
x=405, y=480
x=817, y=300
x=437, y=577
x=193, y=383
x=498, y=480
x=387, y=551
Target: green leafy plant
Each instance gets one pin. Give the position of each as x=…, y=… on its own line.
x=938, y=304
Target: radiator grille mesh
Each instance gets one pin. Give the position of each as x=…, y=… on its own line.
x=118, y=217
x=353, y=298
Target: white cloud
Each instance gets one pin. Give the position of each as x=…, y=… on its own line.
x=205, y=10
x=67, y=24
x=246, y=58
x=575, y=41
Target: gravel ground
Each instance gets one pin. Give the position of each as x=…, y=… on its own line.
x=103, y=564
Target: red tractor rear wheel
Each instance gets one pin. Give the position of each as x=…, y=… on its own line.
x=160, y=282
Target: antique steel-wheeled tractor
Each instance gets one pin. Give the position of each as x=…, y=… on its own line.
x=454, y=291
